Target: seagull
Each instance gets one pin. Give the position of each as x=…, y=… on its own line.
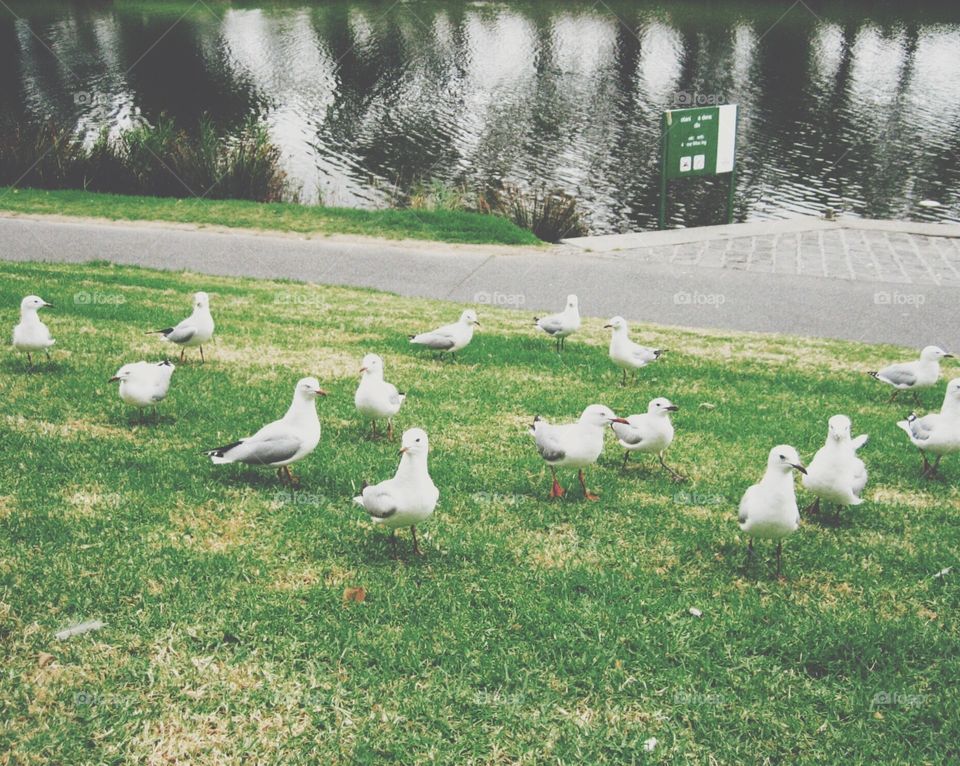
x=193, y=331
x=650, y=433
x=836, y=475
x=922, y=373
x=573, y=444
x=410, y=496
x=284, y=441
x=561, y=325
x=936, y=433
x=144, y=384
x=451, y=337
x=32, y=334
x=624, y=352
x=769, y=509
x=375, y=398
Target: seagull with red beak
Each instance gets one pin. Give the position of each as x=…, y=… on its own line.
x=375, y=398
x=284, y=441
x=769, y=509
x=576, y=445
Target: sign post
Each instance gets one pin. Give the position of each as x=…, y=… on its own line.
x=698, y=142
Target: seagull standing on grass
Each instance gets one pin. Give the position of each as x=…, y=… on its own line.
x=836, y=475
x=573, y=444
x=193, y=331
x=769, y=510
x=375, y=398
x=283, y=441
x=561, y=326
x=31, y=334
x=410, y=496
x=626, y=354
x=650, y=433
x=921, y=373
x=936, y=433
x=144, y=384
x=451, y=337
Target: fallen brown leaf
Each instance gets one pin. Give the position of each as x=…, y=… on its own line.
x=354, y=594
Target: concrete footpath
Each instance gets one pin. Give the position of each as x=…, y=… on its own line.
x=871, y=281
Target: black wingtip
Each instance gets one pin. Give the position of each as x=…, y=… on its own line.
x=874, y=374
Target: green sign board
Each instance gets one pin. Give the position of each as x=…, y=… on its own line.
x=698, y=142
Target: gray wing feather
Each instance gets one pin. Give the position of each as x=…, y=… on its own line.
x=265, y=451
x=897, y=375
x=436, y=340
x=181, y=333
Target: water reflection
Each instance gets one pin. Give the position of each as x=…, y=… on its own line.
x=850, y=112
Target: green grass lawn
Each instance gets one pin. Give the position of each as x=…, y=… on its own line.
x=439, y=225
x=531, y=631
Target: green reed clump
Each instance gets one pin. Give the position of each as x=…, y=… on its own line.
x=159, y=159
x=550, y=214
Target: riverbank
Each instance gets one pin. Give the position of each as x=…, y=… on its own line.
x=437, y=225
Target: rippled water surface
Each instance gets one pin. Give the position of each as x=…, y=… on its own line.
x=845, y=107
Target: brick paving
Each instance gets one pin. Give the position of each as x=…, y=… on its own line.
x=852, y=254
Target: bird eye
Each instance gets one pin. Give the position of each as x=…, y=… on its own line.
x=418, y=441
x=783, y=457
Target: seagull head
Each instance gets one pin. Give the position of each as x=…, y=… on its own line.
x=201, y=301
x=308, y=388
x=934, y=354
x=414, y=442
x=661, y=406
x=123, y=373
x=785, y=458
x=617, y=324
x=371, y=365
x=953, y=389
x=34, y=303
x=839, y=428
x=573, y=302
x=469, y=317
x=598, y=415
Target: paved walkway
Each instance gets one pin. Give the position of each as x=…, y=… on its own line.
x=864, y=281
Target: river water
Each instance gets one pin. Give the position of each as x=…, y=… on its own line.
x=842, y=106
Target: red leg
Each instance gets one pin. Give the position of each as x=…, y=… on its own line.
x=586, y=493
x=556, y=490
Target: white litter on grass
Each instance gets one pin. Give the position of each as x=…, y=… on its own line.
x=80, y=629
x=929, y=203
x=650, y=745
x=695, y=612
x=942, y=572
x=707, y=406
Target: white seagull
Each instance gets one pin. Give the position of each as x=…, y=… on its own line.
x=562, y=325
x=768, y=510
x=936, y=433
x=921, y=373
x=624, y=352
x=451, y=337
x=31, y=334
x=573, y=444
x=144, y=384
x=836, y=475
x=193, y=331
x=410, y=496
x=375, y=398
x=283, y=441
x=650, y=433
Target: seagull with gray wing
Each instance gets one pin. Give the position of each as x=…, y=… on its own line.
x=193, y=331
x=410, y=496
x=283, y=441
x=561, y=326
x=573, y=444
x=451, y=337
x=912, y=376
x=937, y=433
